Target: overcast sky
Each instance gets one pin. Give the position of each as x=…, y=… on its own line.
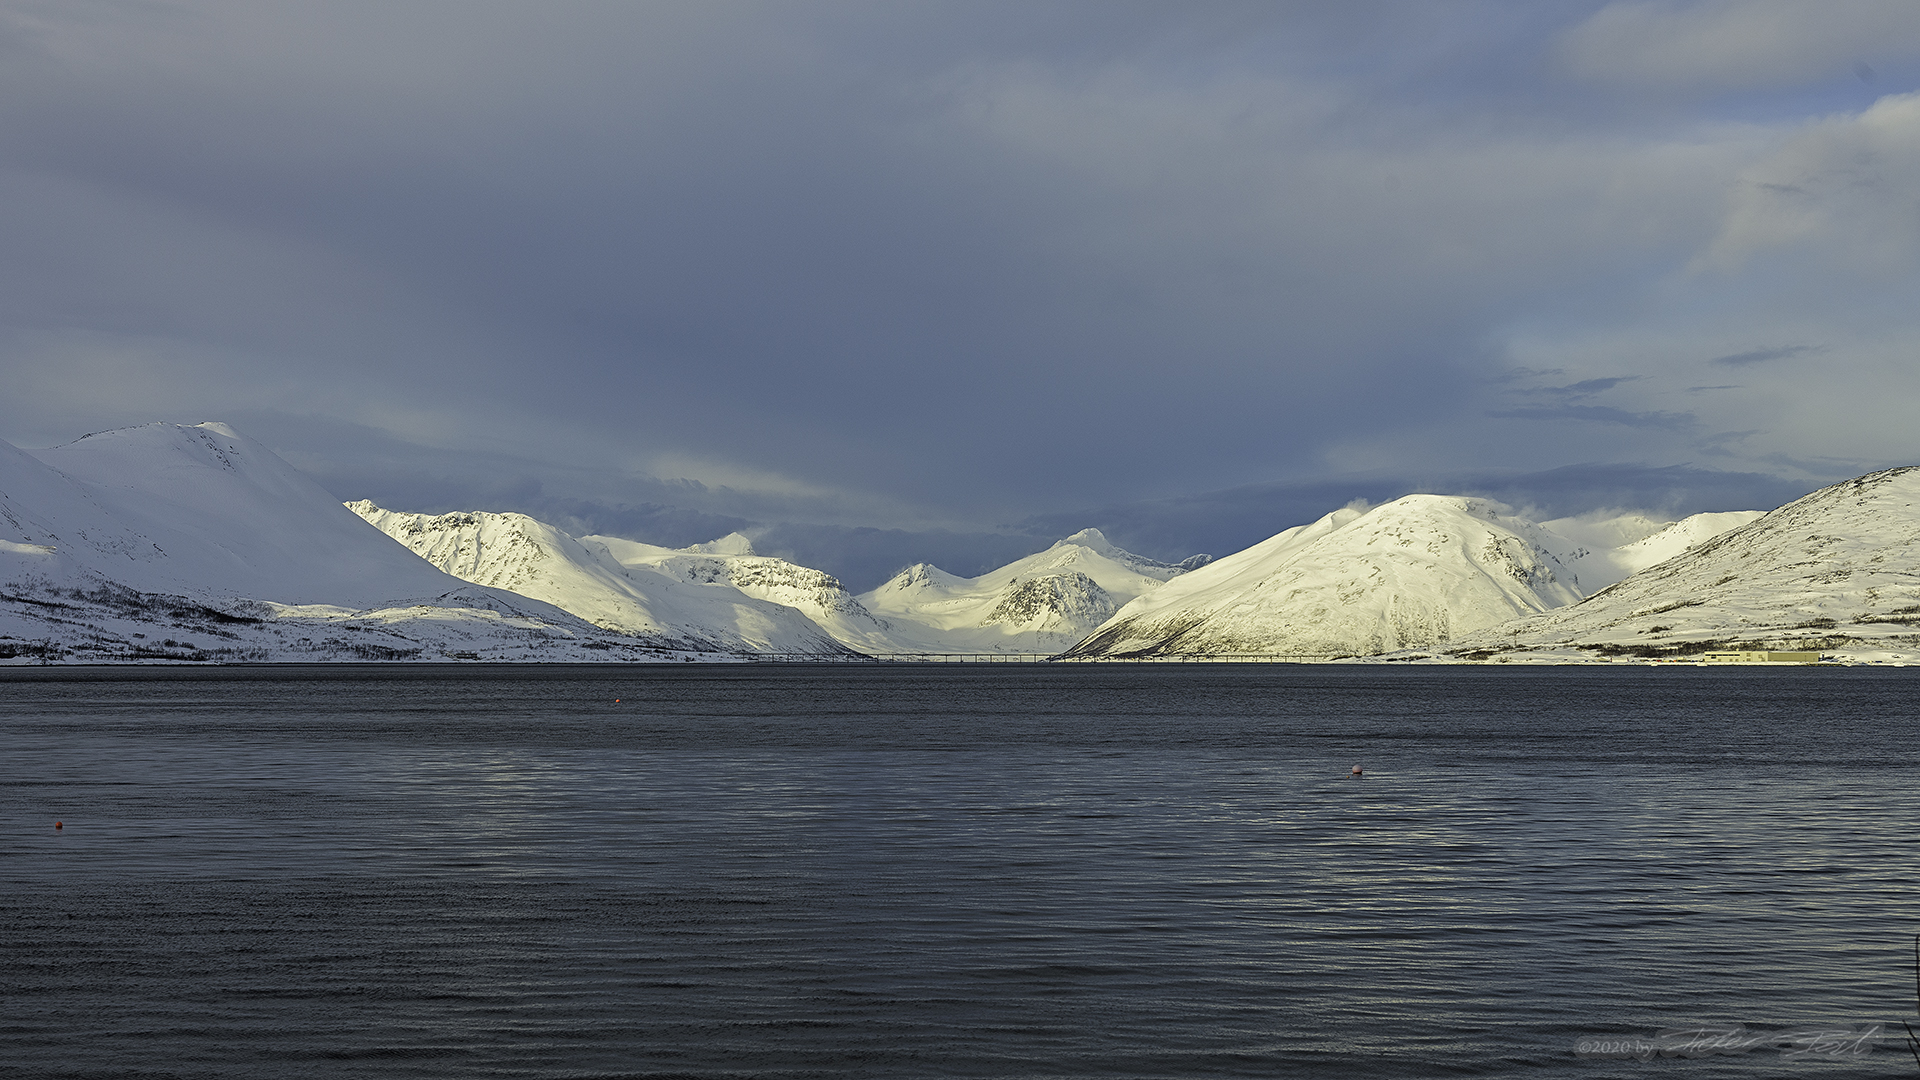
x=955, y=271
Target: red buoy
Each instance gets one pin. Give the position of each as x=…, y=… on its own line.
x=59, y=825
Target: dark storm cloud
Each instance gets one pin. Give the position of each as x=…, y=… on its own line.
x=1600, y=414
x=923, y=269
x=1674, y=490
x=1581, y=389
x=1761, y=356
x=819, y=237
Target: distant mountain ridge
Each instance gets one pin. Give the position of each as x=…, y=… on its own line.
x=722, y=594
x=184, y=542
x=194, y=542
x=1599, y=552
x=204, y=510
x=1042, y=603
x=532, y=558
x=1416, y=571
x=1838, y=569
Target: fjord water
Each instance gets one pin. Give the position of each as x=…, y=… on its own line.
x=948, y=870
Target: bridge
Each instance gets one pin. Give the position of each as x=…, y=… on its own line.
x=908, y=658
x=1212, y=658
x=1042, y=658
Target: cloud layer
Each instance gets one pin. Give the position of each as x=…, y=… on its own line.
x=936, y=269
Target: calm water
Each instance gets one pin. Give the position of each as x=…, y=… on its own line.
x=905, y=871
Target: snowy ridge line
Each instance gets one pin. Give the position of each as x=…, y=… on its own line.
x=1416, y=572
x=1042, y=603
x=722, y=594
x=170, y=543
x=681, y=604
x=1834, y=572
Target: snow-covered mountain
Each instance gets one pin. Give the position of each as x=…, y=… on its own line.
x=203, y=511
x=197, y=542
x=731, y=563
x=1416, y=572
x=724, y=594
x=1838, y=570
x=1599, y=550
x=717, y=596
x=1040, y=604
x=1419, y=570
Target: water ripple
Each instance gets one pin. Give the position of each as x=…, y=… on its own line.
x=791, y=872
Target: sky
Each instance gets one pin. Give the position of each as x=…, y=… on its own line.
x=882, y=282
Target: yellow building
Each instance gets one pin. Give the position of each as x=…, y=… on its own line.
x=1761, y=658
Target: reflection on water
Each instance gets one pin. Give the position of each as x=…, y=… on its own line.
x=1008, y=871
